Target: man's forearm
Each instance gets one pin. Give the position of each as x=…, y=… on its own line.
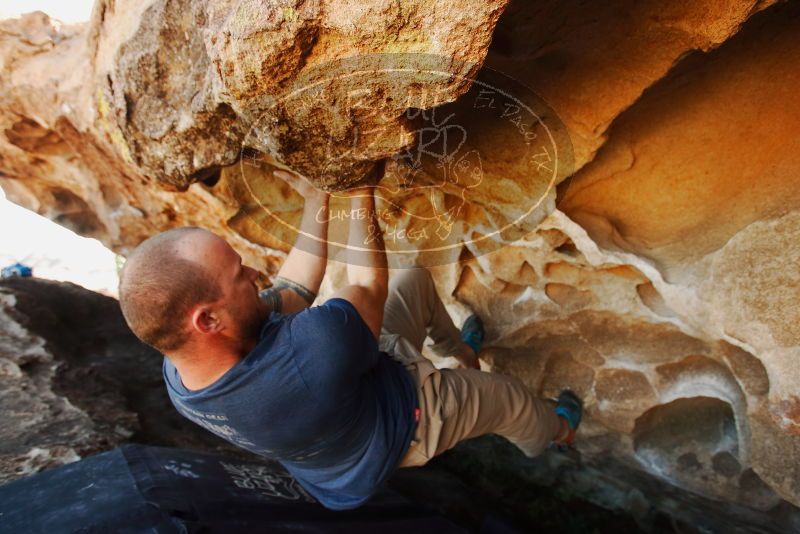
x=307, y=260
x=366, y=265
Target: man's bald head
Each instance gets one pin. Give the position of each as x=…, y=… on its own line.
x=161, y=281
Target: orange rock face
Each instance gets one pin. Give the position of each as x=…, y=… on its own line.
x=615, y=189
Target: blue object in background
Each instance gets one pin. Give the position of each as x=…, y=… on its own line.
x=138, y=489
x=17, y=269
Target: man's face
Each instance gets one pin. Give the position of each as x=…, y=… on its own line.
x=241, y=310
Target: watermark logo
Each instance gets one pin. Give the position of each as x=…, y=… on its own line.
x=472, y=156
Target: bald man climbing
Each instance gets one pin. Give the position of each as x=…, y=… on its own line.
x=338, y=393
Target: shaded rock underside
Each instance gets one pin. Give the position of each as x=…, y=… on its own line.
x=637, y=242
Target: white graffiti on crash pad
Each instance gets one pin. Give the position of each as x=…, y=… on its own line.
x=266, y=481
x=183, y=469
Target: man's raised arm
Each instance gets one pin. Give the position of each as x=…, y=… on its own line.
x=367, y=271
x=300, y=276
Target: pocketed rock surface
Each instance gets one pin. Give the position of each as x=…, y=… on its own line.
x=637, y=242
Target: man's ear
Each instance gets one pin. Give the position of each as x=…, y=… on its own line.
x=205, y=320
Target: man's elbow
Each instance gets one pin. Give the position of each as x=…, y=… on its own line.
x=377, y=286
x=375, y=293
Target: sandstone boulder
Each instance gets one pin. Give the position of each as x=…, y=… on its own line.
x=613, y=188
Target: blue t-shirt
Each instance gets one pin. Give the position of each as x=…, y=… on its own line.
x=317, y=395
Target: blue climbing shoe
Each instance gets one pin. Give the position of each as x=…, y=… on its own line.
x=570, y=408
x=472, y=333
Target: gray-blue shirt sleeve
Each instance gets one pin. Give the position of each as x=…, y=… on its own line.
x=333, y=347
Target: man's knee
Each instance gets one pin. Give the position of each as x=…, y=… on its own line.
x=416, y=279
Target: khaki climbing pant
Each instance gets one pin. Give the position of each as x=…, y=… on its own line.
x=455, y=404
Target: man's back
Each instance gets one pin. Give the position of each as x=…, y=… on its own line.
x=317, y=395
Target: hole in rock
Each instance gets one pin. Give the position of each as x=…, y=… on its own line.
x=689, y=441
x=208, y=177
x=74, y=213
x=651, y=298
x=527, y=274
x=35, y=368
x=568, y=296
x=568, y=249
x=31, y=137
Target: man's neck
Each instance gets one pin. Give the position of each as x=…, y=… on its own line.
x=202, y=369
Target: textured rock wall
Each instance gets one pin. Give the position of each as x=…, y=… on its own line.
x=638, y=242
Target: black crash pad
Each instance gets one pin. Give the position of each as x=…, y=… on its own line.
x=139, y=488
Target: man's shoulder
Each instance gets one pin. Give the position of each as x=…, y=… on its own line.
x=334, y=328
x=335, y=308
x=332, y=321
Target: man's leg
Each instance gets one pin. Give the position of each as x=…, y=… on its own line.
x=459, y=404
x=414, y=310
x=474, y=403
